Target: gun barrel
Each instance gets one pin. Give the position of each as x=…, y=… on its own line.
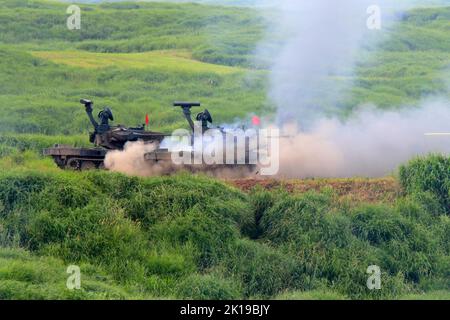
x=86, y=102
x=185, y=104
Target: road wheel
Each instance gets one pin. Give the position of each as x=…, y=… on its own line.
x=73, y=164
x=87, y=165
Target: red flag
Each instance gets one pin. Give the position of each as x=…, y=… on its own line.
x=146, y=120
x=256, y=121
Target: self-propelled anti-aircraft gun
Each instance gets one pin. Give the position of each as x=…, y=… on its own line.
x=105, y=138
x=202, y=124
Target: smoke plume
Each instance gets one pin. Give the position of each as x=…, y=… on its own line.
x=321, y=40
x=311, y=73
x=370, y=143
x=131, y=160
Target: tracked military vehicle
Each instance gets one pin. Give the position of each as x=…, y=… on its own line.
x=105, y=138
x=241, y=164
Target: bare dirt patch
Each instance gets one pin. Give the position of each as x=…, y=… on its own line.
x=355, y=189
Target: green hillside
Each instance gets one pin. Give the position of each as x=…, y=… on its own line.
x=193, y=237
x=246, y=3
x=411, y=64
x=40, y=86
x=260, y=3
x=38, y=92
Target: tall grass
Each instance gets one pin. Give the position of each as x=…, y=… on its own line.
x=429, y=174
x=192, y=237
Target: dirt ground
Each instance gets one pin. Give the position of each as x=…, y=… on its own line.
x=359, y=189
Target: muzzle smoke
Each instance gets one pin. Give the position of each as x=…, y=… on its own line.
x=131, y=160
x=371, y=143
x=311, y=73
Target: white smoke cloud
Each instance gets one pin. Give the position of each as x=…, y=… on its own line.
x=321, y=41
x=371, y=143
x=131, y=160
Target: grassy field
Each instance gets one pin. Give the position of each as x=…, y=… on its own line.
x=168, y=61
x=194, y=237
x=148, y=54
x=259, y=3
x=52, y=91
x=172, y=48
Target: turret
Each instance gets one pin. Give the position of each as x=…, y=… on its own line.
x=104, y=116
x=204, y=117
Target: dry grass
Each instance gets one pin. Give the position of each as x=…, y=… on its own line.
x=168, y=60
x=355, y=189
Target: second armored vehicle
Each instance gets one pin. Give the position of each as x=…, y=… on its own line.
x=105, y=137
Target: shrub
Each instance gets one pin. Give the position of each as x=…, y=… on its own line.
x=431, y=173
x=421, y=207
x=151, y=201
x=207, y=287
x=147, y=236
x=379, y=224
x=96, y=233
x=406, y=246
x=292, y=217
x=210, y=237
x=261, y=201
x=311, y=295
x=262, y=271
x=24, y=276
x=171, y=263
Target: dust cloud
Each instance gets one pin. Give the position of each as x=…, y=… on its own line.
x=313, y=70
x=371, y=143
x=131, y=160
